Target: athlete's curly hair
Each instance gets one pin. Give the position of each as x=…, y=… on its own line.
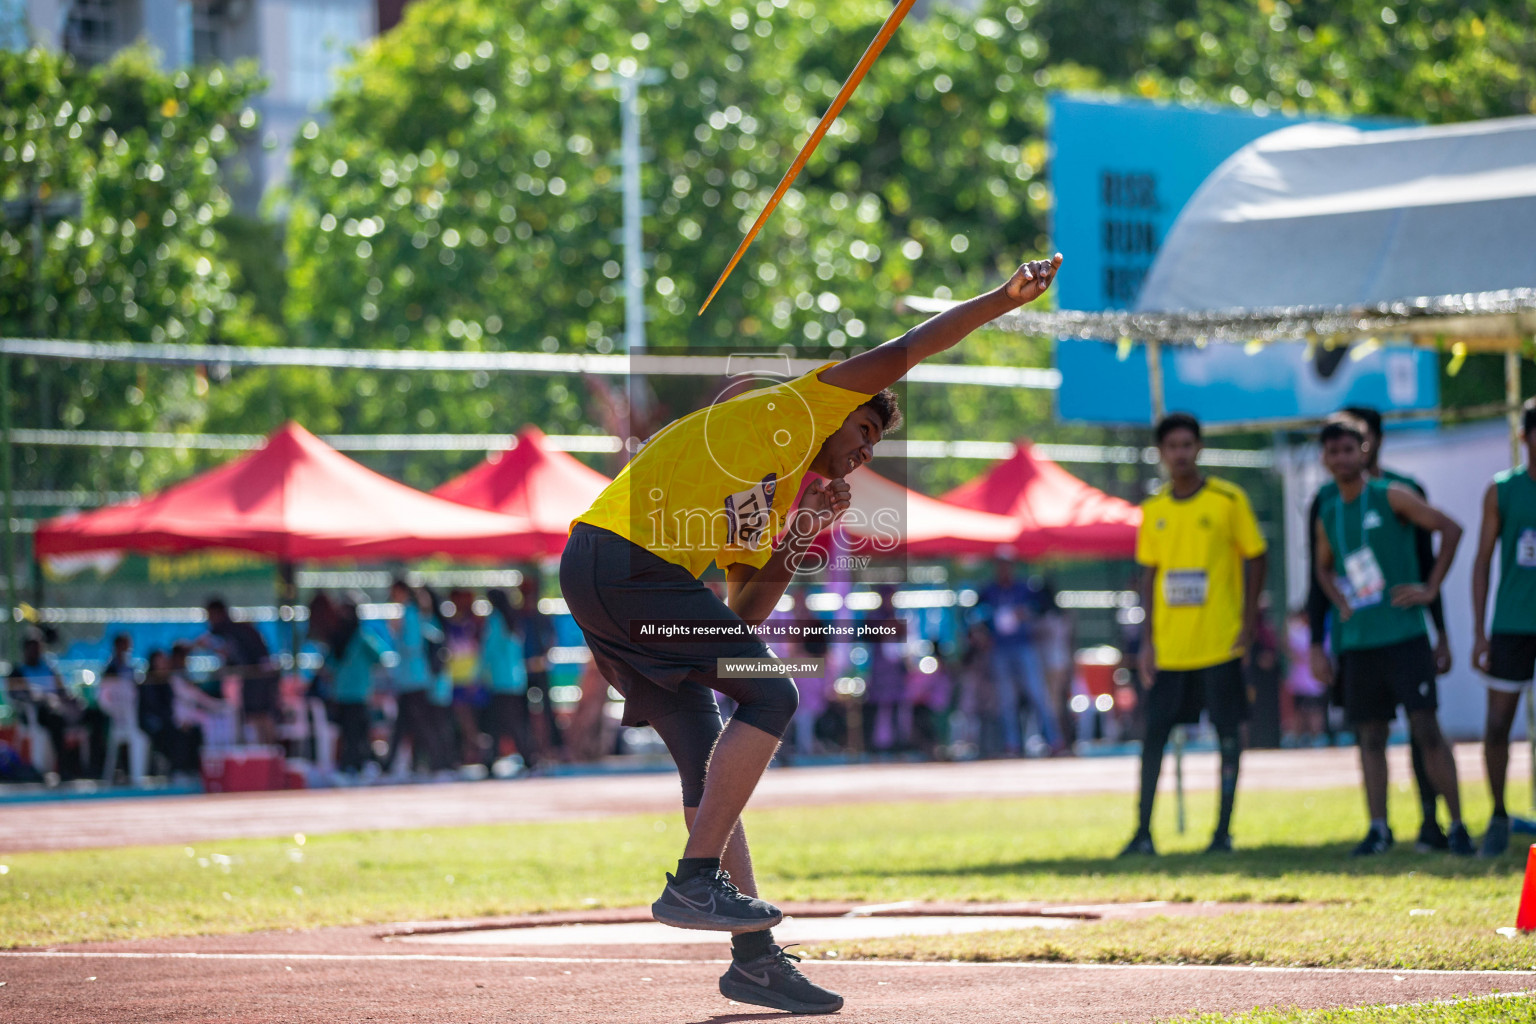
x=888, y=409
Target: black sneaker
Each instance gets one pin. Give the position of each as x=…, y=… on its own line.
x=1221, y=842
x=1374, y=842
x=1459, y=843
x=709, y=902
x=774, y=980
x=1496, y=839
x=1139, y=846
x=1431, y=839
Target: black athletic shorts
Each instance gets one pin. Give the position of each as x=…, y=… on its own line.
x=1219, y=689
x=1512, y=657
x=1377, y=679
x=609, y=582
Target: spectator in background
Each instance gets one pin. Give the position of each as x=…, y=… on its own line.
x=35, y=683
x=463, y=630
x=353, y=654
x=814, y=699
x=157, y=704
x=537, y=631
x=120, y=665
x=440, y=693
x=192, y=714
x=505, y=673
x=1057, y=637
x=413, y=682
x=886, y=690
x=929, y=698
x=1309, y=695
x=117, y=693
x=1011, y=607
x=975, y=723
x=245, y=656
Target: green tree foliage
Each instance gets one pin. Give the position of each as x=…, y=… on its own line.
x=143, y=259
x=1435, y=61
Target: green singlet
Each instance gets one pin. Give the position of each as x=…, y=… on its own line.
x=1514, y=610
x=1373, y=552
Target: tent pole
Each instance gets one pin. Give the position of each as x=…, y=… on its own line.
x=1155, y=378
x=287, y=599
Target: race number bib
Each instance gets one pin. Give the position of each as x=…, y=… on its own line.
x=1006, y=621
x=1525, y=550
x=1364, y=583
x=1185, y=588
x=749, y=514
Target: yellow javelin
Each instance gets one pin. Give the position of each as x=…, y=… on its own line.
x=860, y=70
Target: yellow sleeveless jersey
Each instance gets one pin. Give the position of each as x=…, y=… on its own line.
x=1197, y=545
x=716, y=485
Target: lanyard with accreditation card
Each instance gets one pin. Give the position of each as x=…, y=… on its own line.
x=1525, y=549
x=1363, y=582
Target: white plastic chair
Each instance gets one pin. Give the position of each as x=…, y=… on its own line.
x=39, y=746
x=119, y=698
x=325, y=737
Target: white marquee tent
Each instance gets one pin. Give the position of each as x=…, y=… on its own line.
x=1330, y=215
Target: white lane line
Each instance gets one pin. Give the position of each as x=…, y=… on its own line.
x=1016, y=964
x=877, y=908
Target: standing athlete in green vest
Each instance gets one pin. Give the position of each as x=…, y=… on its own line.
x=1431, y=837
x=1508, y=656
x=1368, y=566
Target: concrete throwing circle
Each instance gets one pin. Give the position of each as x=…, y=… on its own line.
x=793, y=929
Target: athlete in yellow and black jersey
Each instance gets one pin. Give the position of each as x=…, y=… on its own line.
x=1203, y=563
x=717, y=486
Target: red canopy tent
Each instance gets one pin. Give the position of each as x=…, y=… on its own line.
x=1059, y=514
x=886, y=518
x=296, y=499
x=547, y=488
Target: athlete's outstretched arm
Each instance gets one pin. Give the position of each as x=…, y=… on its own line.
x=880, y=367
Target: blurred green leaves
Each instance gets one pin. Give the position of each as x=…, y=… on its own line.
x=143, y=260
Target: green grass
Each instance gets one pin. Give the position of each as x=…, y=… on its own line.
x=1292, y=849
x=1495, y=1010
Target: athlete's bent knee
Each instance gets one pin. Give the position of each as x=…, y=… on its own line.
x=1373, y=736
x=770, y=706
x=1426, y=729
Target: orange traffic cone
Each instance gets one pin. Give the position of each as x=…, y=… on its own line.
x=1525, y=920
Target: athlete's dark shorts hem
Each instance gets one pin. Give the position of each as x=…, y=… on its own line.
x=609, y=582
x=1377, y=679
x=1512, y=657
x=1219, y=689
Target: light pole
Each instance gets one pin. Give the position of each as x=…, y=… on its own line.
x=627, y=80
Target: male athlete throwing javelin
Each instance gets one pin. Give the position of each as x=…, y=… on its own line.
x=715, y=486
